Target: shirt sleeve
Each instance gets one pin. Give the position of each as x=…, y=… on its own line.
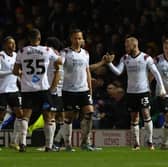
x=119, y=69
x=157, y=76
x=18, y=57
x=150, y=62
x=53, y=55
x=87, y=58
x=62, y=53
x=3, y=72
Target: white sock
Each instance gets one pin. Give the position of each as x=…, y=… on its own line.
x=149, y=129
x=67, y=133
x=16, y=131
x=49, y=130
x=59, y=134
x=86, y=126
x=135, y=134
x=23, y=131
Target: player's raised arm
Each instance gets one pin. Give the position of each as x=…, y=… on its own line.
x=119, y=69
x=105, y=60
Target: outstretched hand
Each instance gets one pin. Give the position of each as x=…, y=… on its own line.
x=107, y=58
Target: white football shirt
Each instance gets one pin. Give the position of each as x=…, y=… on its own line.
x=7, y=79
x=137, y=70
x=35, y=61
x=162, y=65
x=75, y=65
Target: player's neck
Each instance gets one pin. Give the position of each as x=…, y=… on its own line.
x=35, y=43
x=136, y=53
x=76, y=48
x=9, y=53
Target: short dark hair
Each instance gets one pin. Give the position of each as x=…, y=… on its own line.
x=76, y=30
x=54, y=42
x=33, y=34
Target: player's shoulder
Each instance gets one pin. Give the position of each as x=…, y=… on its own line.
x=14, y=54
x=2, y=54
x=158, y=58
x=125, y=57
x=145, y=56
x=57, y=52
x=66, y=50
x=44, y=48
x=84, y=51
x=23, y=49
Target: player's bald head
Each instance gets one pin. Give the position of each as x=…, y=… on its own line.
x=132, y=40
x=131, y=45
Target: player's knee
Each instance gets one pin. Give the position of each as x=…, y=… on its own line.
x=146, y=115
x=50, y=122
x=134, y=123
x=88, y=116
x=147, y=118
x=19, y=114
x=68, y=121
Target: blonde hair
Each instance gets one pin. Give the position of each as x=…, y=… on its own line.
x=132, y=40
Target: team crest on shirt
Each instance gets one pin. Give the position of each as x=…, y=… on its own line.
x=35, y=78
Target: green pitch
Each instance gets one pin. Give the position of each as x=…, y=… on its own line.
x=108, y=157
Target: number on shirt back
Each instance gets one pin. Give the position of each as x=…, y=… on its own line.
x=39, y=67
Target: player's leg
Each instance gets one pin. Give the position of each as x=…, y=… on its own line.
x=69, y=102
x=67, y=129
x=87, y=108
x=27, y=103
x=57, y=100
x=59, y=135
x=148, y=123
x=135, y=130
x=49, y=111
x=14, y=142
x=163, y=102
x=86, y=127
x=15, y=105
x=134, y=108
x=49, y=129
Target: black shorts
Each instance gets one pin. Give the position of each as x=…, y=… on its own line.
x=41, y=98
x=11, y=99
x=136, y=102
x=73, y=101
x=58, y=103
x=163, y=104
